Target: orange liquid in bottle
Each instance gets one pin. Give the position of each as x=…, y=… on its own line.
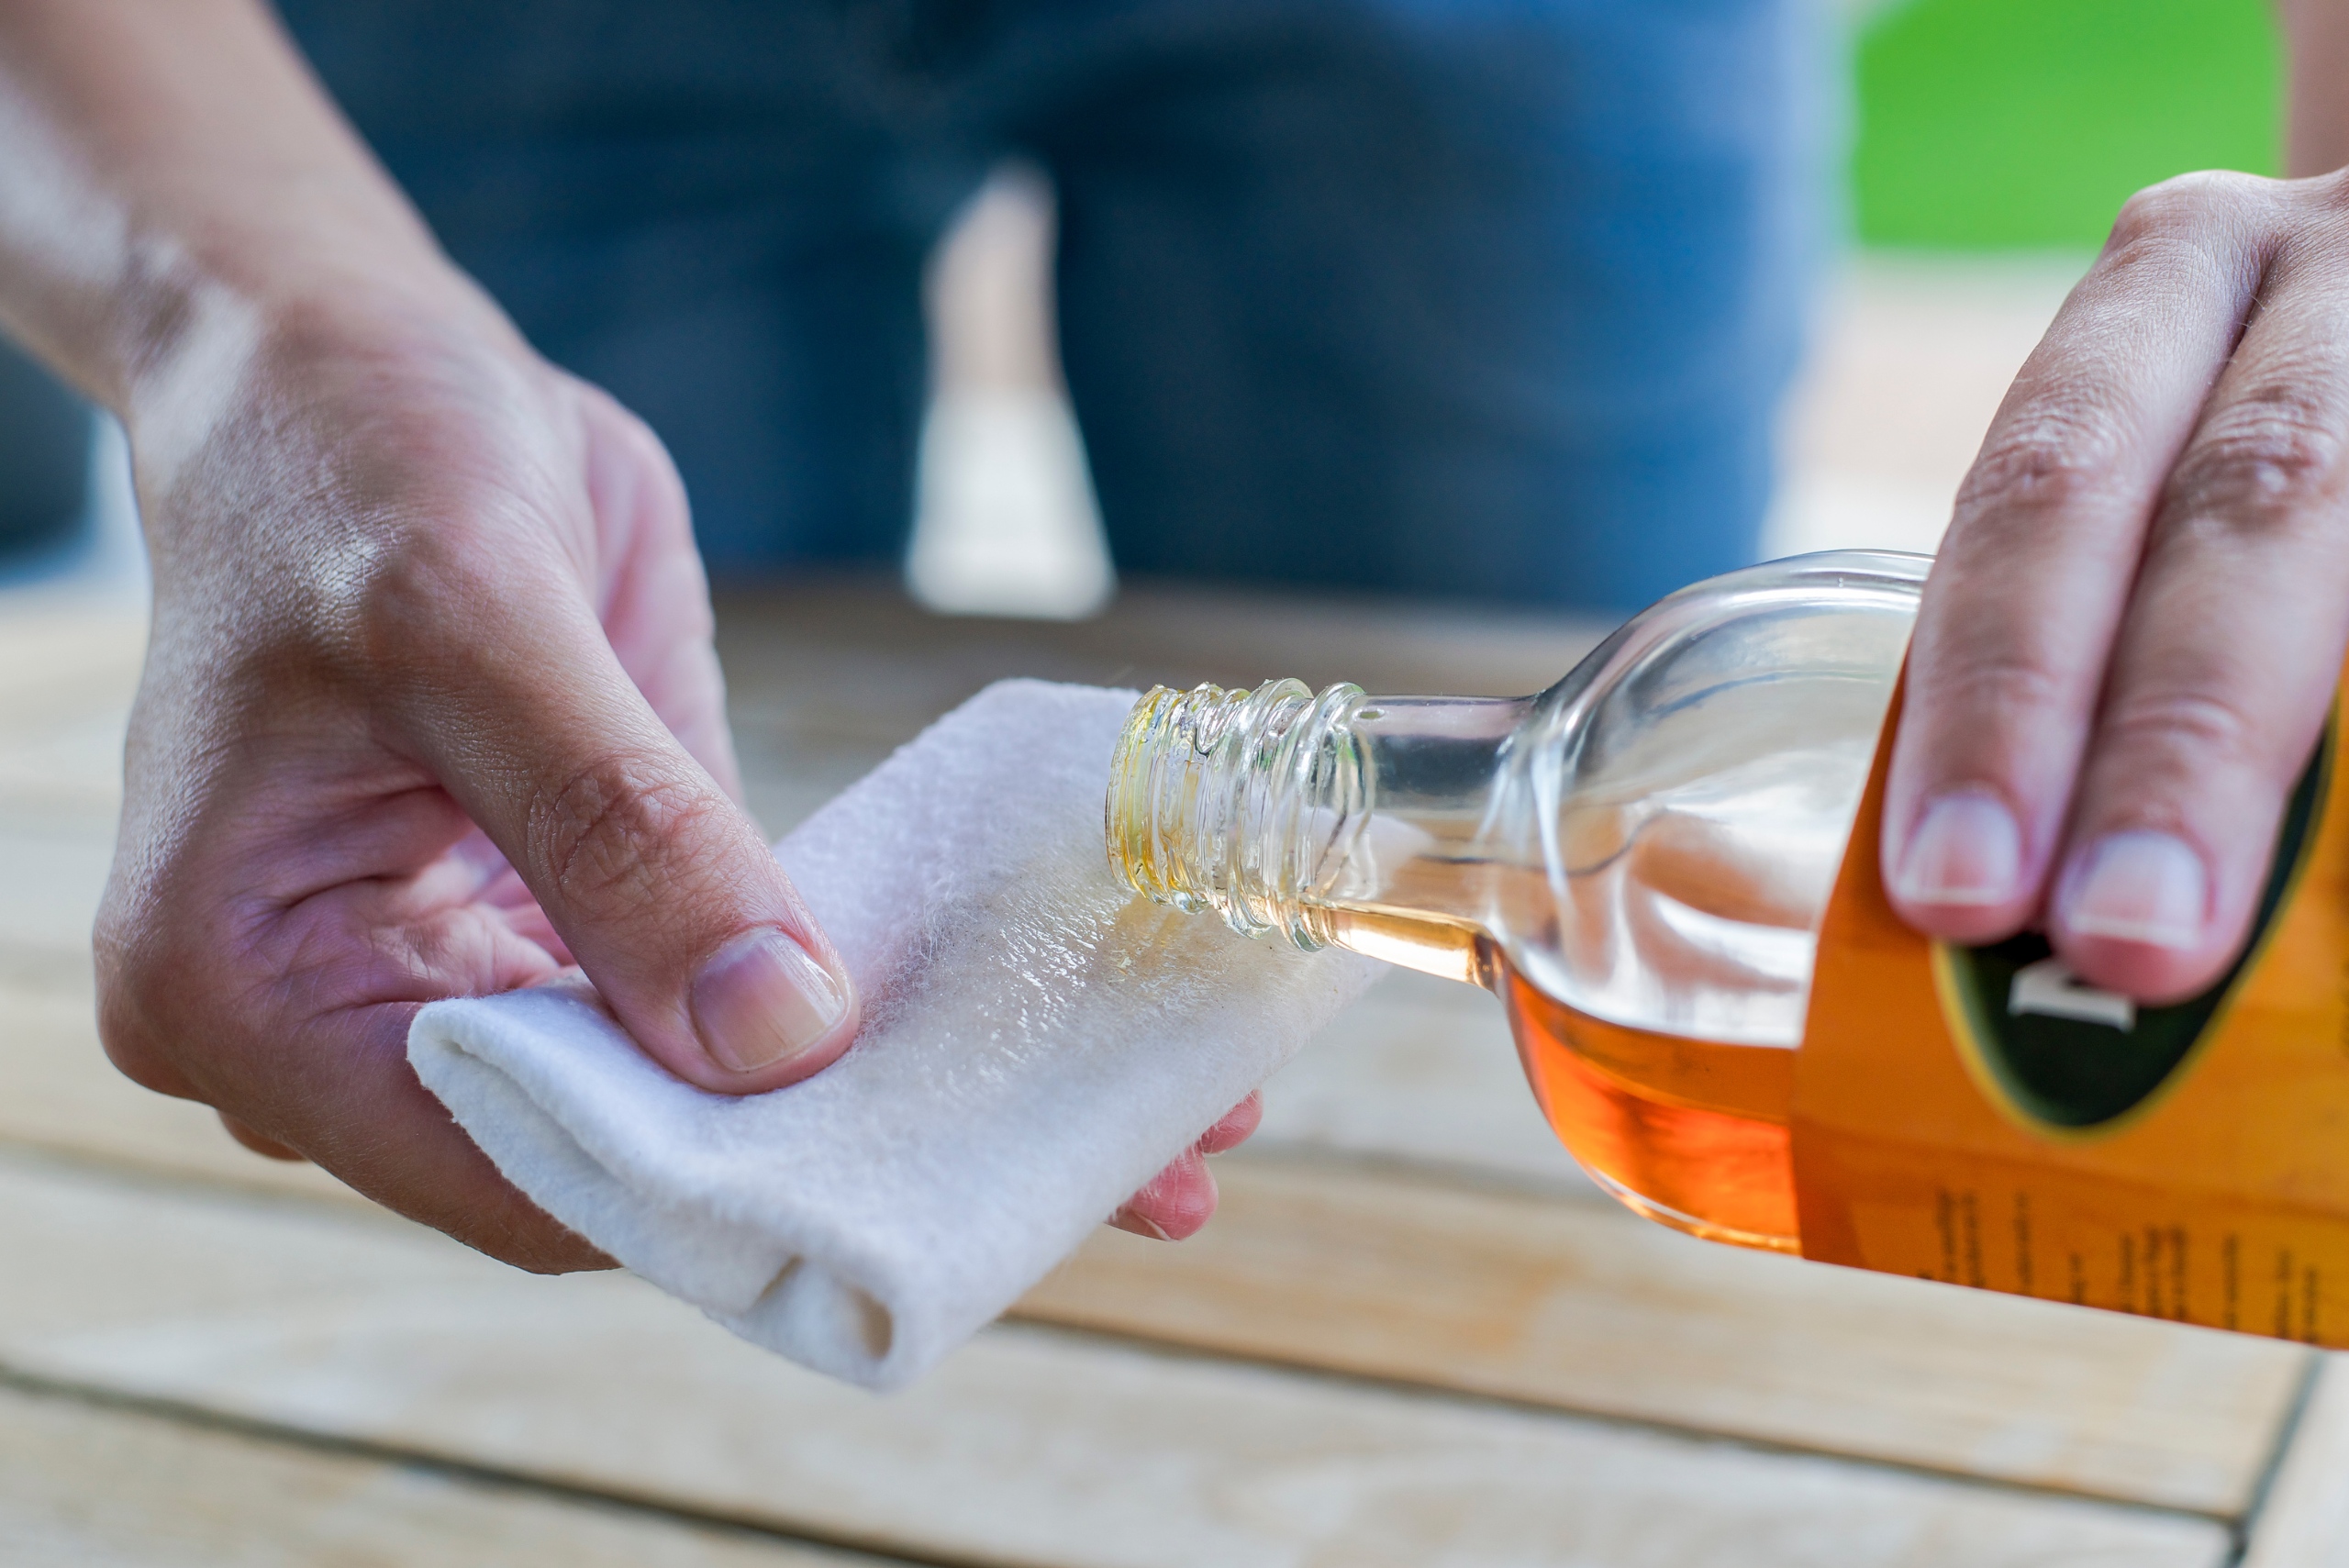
x=1690, y=1133
x=1687, y=1132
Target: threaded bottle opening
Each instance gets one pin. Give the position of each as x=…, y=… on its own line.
x=1242, y=803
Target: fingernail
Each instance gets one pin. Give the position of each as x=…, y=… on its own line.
x=1967, y=852
x=2139, y=886
x=762, y=999
x=1126, y=1219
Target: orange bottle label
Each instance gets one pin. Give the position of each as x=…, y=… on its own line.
x=1979, y=1116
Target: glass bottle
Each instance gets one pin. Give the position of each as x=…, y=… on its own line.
x=1637, y=860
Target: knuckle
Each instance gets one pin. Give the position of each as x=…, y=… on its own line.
x=2330, y=191
x=406, y=592
x=2262, y=459
x=1994, y=684
x=2051, y=456
x=128, y=1030
x=2168, y=731
x=423, y=562
x=126, y=988
x=2182, y=201
x=595, y=836
x=407, y=589
x=134, y=1056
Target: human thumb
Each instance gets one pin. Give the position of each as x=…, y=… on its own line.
x=660, y=884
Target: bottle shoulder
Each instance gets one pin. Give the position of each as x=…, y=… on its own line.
x=1686, y=794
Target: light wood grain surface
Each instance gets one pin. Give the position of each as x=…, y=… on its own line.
x=100, y=1486
x=1591, y=1309
x=1029, y=1446
x=2304, y=1519
x=1414, y=1335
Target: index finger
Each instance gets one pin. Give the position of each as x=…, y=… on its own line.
x=2024, y=602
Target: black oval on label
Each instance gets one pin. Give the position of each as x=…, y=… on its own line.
x=2073, y=1057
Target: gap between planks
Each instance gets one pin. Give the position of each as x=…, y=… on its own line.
x=217, y=1494
x=2302, y=1521
x=1564, y=1305
x=1028, y=1447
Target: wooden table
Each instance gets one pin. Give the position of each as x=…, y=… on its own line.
x=1413, y=1337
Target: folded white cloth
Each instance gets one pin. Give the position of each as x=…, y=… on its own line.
x=1037, y=1044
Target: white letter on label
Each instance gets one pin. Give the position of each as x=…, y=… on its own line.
x=2050, y=989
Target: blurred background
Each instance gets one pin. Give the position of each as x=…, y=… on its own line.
x=1988, y=144
x=1414, y=1335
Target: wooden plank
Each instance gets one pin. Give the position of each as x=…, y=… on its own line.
x=88, y=1486
x=1587, y=1308
x=50, y=885
x=59, y=659
x=1029, y=1447
x=826, y=677
x=66, y=772
x=802, y=638
x=66, y=680
x=58, y=1092
x=1574, y=1305
x=2305, y=1523
x=1421, y=1072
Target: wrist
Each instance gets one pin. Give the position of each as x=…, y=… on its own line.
x=201, y=327
x=190, y=306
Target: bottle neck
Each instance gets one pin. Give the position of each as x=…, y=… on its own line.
x=1337, y=819
x=1232, y=801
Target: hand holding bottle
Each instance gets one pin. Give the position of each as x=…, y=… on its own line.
x=2136, y=625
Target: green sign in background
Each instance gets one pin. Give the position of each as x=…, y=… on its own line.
x=2024, y=124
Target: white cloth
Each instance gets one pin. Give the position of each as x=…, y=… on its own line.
x=1037, y=1044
